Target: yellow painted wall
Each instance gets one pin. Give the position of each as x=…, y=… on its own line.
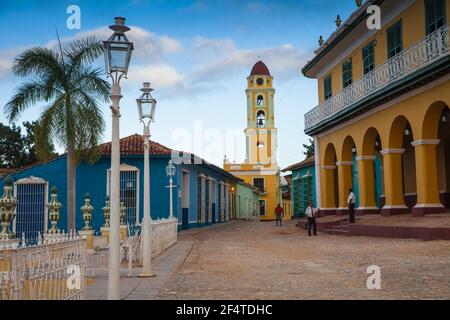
x=413, y=25
x=414, y=109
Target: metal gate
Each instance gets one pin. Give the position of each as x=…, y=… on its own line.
x=31, y=211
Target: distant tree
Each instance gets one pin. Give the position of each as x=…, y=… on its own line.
x=34, y=143
x=17, y=150
x=309, y=148
x=12, y=153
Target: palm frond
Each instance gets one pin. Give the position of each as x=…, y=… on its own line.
x=85, y=50
x=40, y=62
x=27, y=94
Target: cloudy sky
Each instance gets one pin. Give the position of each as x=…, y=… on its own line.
x=197, y=55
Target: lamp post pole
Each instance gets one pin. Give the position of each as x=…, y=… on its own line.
x=171, y=198
x=114, y=233
x=146, y=109
x=170, y=170
x=147, y=223
x=117, y=58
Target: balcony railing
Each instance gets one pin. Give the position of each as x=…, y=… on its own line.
x=423, y=53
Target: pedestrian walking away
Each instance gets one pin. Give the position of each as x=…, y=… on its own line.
x=311, y=214
x=279, y=215
x=351, y=205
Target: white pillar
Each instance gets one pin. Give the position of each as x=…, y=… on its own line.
x=147, y=220
x=114, y=233
x=317, y=170
x=171, y=198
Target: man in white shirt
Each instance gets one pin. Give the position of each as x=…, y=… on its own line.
x=351, y=205
x=311, y=214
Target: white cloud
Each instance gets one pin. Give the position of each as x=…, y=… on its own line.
x=160, y=75
x=222, y=58
x=147, y=45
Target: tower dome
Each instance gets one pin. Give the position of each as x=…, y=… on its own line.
x=260, y=69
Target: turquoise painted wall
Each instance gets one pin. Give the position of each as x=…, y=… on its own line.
x=243, y=195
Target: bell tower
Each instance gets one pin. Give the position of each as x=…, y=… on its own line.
x=261, y=134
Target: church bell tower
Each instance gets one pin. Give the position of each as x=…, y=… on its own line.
x=261, y=134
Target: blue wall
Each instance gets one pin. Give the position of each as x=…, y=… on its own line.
x=93, y=179
x=194, y=171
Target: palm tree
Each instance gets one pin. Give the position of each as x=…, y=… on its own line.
x=71, y=90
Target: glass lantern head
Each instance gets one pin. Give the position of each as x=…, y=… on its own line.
x=146, y=104
x=118, y=48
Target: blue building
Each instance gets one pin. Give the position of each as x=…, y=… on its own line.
x=202, y=196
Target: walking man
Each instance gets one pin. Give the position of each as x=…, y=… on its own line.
x=279, y=214
x=311, y=214
x=351, y=205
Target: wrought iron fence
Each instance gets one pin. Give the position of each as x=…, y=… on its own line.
x=423, y=53
x=54, y=269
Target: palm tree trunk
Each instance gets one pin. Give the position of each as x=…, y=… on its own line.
x=71, y=188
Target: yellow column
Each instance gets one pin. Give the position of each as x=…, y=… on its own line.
x=428, y=200
x=393, y=182
x=328, y=201
x=345, y=182
x=366, y=181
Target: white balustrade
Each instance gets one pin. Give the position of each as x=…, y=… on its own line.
x=423, y=53
x=50, y=271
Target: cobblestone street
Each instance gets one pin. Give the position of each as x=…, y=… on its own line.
x=244, y=260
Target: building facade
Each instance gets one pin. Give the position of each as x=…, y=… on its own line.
x=382, y=124
x=201, y=196
x=247, y=201
x=260, y=168
x=303, y=189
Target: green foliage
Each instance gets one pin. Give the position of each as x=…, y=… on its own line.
x=71, y=91
x=17, y=150
x=309, y=149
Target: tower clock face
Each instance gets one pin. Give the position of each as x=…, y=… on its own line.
x=260, y=81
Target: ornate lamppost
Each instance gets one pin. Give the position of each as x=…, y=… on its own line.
x=146, y=109
x=117, y=50
x=170, y=171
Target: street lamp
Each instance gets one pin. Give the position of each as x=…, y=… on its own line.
x=170, y=170
x=146, y=108
x=117, y=51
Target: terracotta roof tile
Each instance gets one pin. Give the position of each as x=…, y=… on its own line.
x=305, y=163
x=134, y=146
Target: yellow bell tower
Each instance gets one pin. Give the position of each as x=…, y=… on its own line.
x=261, y=135
x=260, y=167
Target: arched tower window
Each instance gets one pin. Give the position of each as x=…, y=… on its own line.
x=260, y=101
x=260, y=119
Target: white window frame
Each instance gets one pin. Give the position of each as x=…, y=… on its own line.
x=32, y=180
x=126, y=168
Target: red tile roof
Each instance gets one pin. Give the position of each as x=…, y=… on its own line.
x=134, y=146
x=260, y=69
x=305, y=163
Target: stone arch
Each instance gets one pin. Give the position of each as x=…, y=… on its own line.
x=399, y=168
x=432, y=119
x=329, y=180
x=349, y=149
x=347, y=173
x=370, y=173
x=433, y=160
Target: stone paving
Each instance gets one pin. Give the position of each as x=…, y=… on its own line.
x=245, y=260
x=135, y=288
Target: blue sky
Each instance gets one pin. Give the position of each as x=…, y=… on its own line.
x=197, y=55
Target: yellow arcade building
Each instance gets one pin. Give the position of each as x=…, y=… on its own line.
x=382, y=123
x=260, y=167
